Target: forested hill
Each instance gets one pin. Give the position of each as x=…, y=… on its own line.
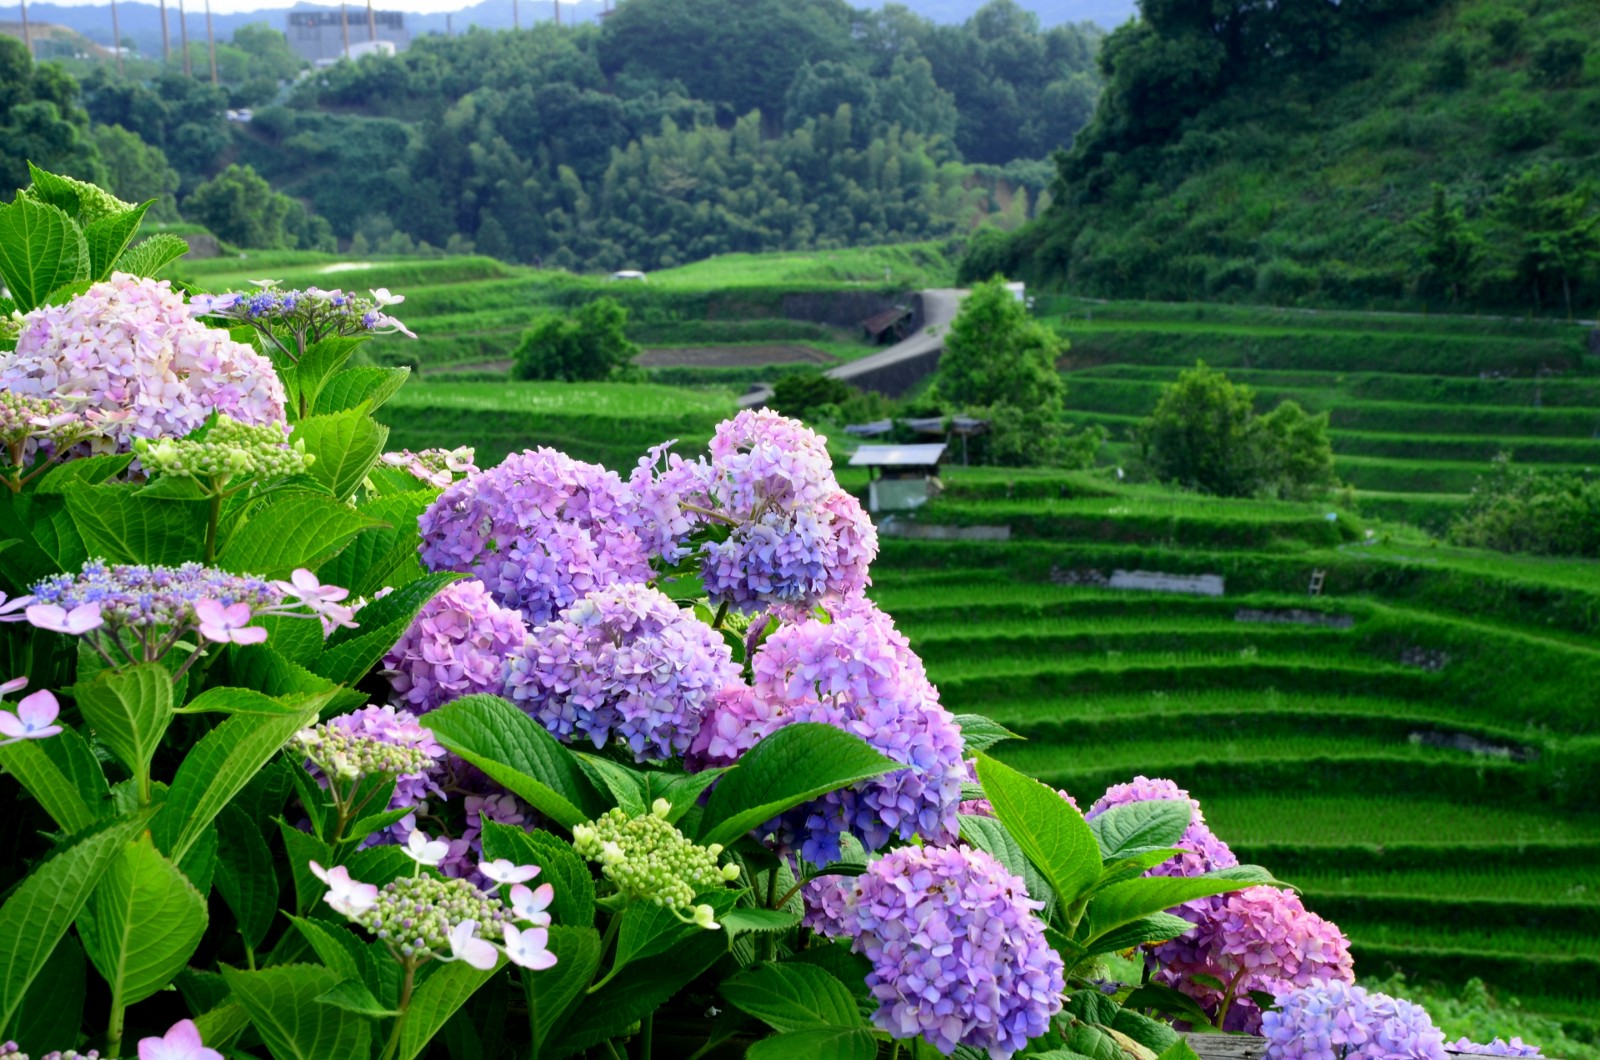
x=1290, y=154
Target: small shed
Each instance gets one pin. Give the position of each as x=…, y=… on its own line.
x=889, y=326
x=870, y=430
x=903, y=477
x=962, y=427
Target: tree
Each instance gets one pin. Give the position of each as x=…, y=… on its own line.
x=239, y=206
x=1553, y=226
x=137, y=171
x=40, y=120
x=1451, y=250
x=589, y=345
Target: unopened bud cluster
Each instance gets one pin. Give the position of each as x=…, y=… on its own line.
x=229, y=450
x=347, y=756
x=13, y=1051
x=39, y=420
x=415, y=914
x=649, y=859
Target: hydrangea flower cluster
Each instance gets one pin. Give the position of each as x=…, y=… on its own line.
x=1498, y=1047
x=623, y=662
x=859, y=674
x=34, y=427
x=795, y=539
x=540, y=530
x=229, y=450
x=1259, y=938
x=134, y=345
x=456, y=646
x=372, y=741
x=13, y=1051
x=957, y=954
x=309, y=315
x=421, y=918
x=648, y=859
x=1333, y=1020
x=436, y=467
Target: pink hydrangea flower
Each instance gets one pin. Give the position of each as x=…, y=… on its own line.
x=227, y=624
x=181, y=1042
x=457, y=645
x=35, y=717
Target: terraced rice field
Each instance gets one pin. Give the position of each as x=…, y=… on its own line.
x=1415, y=748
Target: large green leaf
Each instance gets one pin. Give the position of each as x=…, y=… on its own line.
x=817, y=1043
x=63, y=774
x=108, y=237
x=220, y=765
x=979, y=732
x=292, y=530
x=52, y=1011
x=640, y=988
x=346, y=445
x=152, y=254
x=793, y=765
x=130, y=710
x=368, y=563
x=1137, y=827
x=364, y=384
x=46, y=903
x=350, y=653
x=41, y=248
x=143, y=922
x=518, y=754
x=1157, y=927
x=320, y=361
x=121, y=526
x=552, y=993
x=246, y=878
x=282, y=1004
x=1131, y=900
x=792, y=997
x=445, y=990
x=559, y=865
x=1053, y=834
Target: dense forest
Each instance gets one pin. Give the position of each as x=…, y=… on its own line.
x=676, y=130
x=1377, y=153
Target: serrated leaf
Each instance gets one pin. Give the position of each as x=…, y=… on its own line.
x=444, y=991
x=625, y=786
x=817, y=1043
x=560, y=866
x=319, y=361
x=346, y=444
x=121, y=526
x=793, y=765
x=552, y=993
x=979, y=732
x=217, y=767
x=130, y=710
x=282, y=1005
x=292, y=530
x=108, y=237
x=1179, y=1050
x=143, y=922
x=368, y=563
x=54, y=189
x=41, y=248
x=1137, y=827
x=745, y=919
x=352, y=995
x=1050, y=832
x=681, y=790
x=246, y=878
x=44, y=905
x=792, y=997
x=364, y=384
x=62, y=774
x=150, y=255
x=517, y=753
x=1170, y=1002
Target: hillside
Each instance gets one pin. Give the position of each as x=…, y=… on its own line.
x=1253, y=158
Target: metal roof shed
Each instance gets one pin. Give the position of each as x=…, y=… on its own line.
x=903, y=476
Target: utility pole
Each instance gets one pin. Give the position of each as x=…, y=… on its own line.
x=344, y=26
x=116, y=36
x=211, y=43
x=372, y=23
x=27, y=34
x=183, y=40
x=516, y=17
x=449, y=30
x=166, y=37
x=558, y=12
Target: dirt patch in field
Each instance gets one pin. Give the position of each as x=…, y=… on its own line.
x=730, y=356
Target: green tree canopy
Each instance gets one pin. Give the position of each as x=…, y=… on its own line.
x=589, y=345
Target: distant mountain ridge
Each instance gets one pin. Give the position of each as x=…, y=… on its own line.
x=142, y=22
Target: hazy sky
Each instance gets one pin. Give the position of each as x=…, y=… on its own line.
x=8, y=8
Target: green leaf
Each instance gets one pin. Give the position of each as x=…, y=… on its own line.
x=364, y=384
x=130, y=711
x=1123, y=903
x=118, y=524
x=1157, y=927
x=640, y=988
x=352, y=995
x=143, y=922
x=793, y=765
x=44, y=905
x=1170, y=1002
x=625, y=786
x=444, y=991
x=217, y=767
x=350, y=653
x=1138, y=827
x=745, y=919
x=63, y=774
x=53, y=1007
x=152, y=254
x=979, y=732
x=552, y=993
x=282, y=1004
x=108, y=237
x=990, y=835
x=346, y=445
x=372, y=558
x=292, y=530
x=792, y=997
x=88, y=471
x=646, y=929
x=1050, y=832
x=518, y=754
x=41, y=248
x=817, y=1043
x=246, y=878
x=681, y=790
x=54, y=189
x=321, y=360
x=1179, y=1050
x=560, y=866
x=224, y=699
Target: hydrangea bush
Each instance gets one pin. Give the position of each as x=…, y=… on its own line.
x=326, y=753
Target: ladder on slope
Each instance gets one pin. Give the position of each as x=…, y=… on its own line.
x=1317, y=578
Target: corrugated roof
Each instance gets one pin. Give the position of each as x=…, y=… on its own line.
x=897, y=455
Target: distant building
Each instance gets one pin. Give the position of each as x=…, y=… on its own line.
x=321, y=36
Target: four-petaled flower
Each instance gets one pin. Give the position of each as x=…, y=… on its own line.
x=35, y=717
x=465, y=945
x=345, y=895
x=528, y=948
x=425, y=851
x=501, y=870
x=182, y=1042
x=322, y=599
x=230, y=624
x=57, y=619
x=530, y=905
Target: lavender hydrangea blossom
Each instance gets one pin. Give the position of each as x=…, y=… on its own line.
x=623, y=662
x=456, y=646
x=958, y=956
x=1333, y=1020
x=1498, y=1047
x=540, y=530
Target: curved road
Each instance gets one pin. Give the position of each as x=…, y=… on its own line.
x=892, y=371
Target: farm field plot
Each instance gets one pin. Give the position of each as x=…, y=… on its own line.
x=1413, y=747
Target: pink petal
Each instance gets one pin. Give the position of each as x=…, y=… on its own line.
x=12, y=726
x=39, y=709
x=13, y=685
x=250, y=635
x=210, y=612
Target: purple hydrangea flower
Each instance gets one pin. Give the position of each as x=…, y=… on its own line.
x=958, y=956
x=622, y=662
x=858, y=674
x=1498, y=1047
x=540, y=530
x=1333, y=1020
x=456, y=646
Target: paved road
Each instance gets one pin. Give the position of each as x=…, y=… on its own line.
x=939, y=308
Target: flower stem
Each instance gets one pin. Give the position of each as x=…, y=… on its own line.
x=708, y=513
x=393, y=1047
x=211, y=527
x=114, y=1025
x=722, y=613
x=647, y=1031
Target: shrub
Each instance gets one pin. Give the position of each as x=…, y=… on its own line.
x=589, y=345
x=1518, y=509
